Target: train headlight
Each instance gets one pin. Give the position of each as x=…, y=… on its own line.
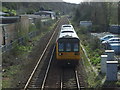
x=60, y=54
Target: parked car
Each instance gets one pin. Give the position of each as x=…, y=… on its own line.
x=112, y=40
x=115, y=47
x=107, y=43
x=107, y=37
x=114, y=29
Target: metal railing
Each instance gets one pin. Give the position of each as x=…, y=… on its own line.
x=19, y=41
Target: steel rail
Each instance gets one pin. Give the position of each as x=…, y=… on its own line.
x=77, y=79
x=61, y=81
x=48, y=68
x=33, y=72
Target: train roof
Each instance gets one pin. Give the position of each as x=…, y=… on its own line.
x=67, y=29
x=68, y=35
x=68, y=32
x=65, y=26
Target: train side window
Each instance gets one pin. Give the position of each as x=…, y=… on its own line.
x=61, y=47
x=68, y=47
x=76, y=47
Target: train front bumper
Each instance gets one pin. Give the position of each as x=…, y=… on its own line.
x=68, y=56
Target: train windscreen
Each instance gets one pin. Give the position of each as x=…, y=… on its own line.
x=76, y=47
x=67, y=26
x=68, y=45
x=61, y=47
x=67, y=32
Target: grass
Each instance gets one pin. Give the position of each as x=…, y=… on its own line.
x=118, y=83
x=93, y=51
x=94, y=79
x=88, y=70
x=9, y=75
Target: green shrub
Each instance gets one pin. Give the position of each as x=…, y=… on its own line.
x=24, y=48
x=98, y=28
x=38, y=24
x=32, y=27
x=94, y=43
x=83, y=30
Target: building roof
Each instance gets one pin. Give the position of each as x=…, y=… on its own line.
x=45, y=12
x=33, y=16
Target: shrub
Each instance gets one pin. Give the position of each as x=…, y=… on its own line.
x=98, y=28
x=95, y=28
x=32, y=27
x=38, y=23
x=94, y=43
x=83, y=30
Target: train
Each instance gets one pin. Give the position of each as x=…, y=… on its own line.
x=68, y=45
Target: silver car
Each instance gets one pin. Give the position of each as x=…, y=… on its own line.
x=112, y=40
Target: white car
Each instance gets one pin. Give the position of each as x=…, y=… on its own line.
x=112, y=40
x=107, y=37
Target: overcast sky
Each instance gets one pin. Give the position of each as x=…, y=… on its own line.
x=78, y=1
x=70, y=1
x=73, y=1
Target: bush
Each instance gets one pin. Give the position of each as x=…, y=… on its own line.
x=24, y=48
x=95, y=60
x=99, y=28
x=83, y=30
x=38, y=23
x=94, y=43
x=95, y=28
x=32, y=27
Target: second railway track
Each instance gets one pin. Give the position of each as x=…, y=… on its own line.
x=47, y=74
x=37, y=76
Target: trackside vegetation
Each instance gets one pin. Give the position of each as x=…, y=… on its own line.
x=93, y=49
x=17, y=59
x=92, y=45
x=102, y=15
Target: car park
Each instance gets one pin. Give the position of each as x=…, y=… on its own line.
x=107, y=43
x=114, y=29
x=115, y=47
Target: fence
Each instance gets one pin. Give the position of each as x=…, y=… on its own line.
x=19, y=41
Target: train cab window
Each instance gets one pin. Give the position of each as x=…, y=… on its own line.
x=76, y=47
x=66, y=26
x=61, y=47
x=67, y=32
x=68, y=47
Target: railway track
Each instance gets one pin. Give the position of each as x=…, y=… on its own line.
x=61, y=78
x=69, y=79
x=39, y=74
x=48, y=68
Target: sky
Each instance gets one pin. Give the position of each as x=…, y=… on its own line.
x=78, y=1
x=73, y=1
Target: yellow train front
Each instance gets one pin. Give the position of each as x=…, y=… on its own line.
x=68, y=45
